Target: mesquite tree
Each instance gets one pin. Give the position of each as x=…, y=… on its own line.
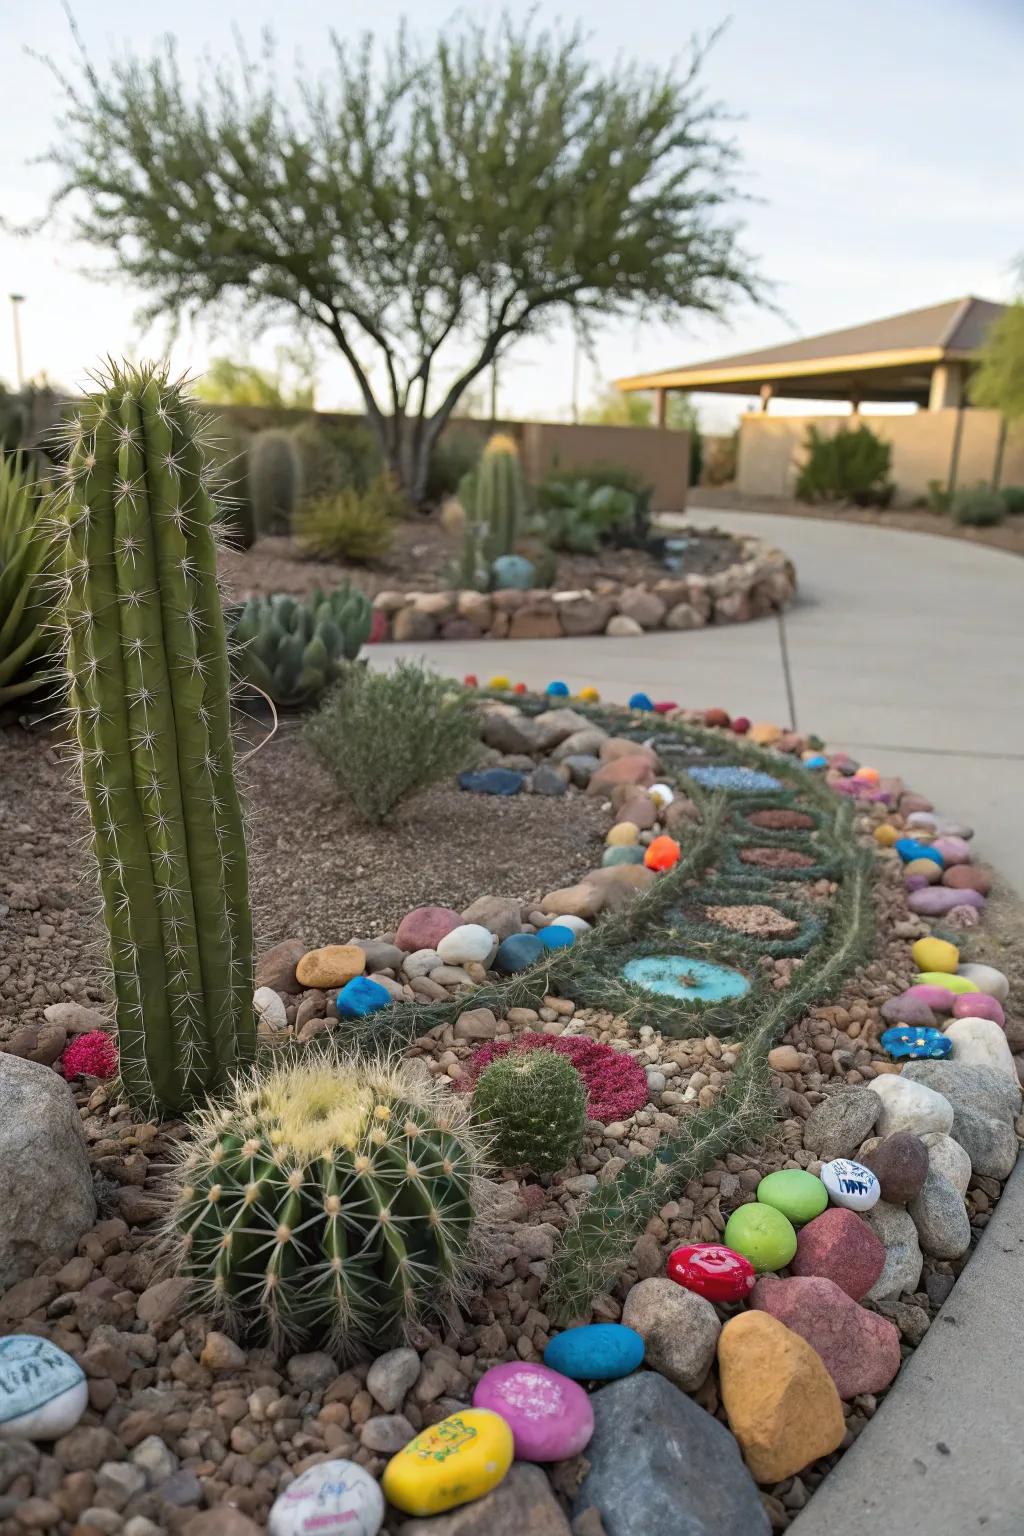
x=419, y=200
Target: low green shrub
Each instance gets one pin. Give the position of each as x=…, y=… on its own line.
x=848, y=465
x=938, y=500
x=349, y=524
x=334, y=456
x=1013, y=499
x=27, y=644
x=978, y=507
x=535, y=1106
x=387, y=735
x=583, y=511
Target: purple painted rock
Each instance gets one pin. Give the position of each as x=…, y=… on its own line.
x=900, y=1164
x=968, y=877
x=938, y=999
x=937, y=900
x=425, y=927
x=908, y=1010
x=861, y=1350
x=917, y=882
x=954, y=850
x=550, y=1416
x=839, y=1246
x=976, y=1005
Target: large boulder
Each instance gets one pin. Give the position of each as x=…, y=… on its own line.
x=46, y=1192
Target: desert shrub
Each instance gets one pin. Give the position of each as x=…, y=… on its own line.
x=848, y=465
x=386, y=735
x=1013, y=499
x=939, y=499
x=534, y=1106
x=978, y=507
x=349, y=524
x=584, y=514
x=454, y=456
x=334, y=456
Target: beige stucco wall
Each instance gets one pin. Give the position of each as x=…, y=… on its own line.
x=661, y=457
x=771, y=450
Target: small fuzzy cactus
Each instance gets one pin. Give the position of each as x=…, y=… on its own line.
x=149, y=698
x=536, y=1107
x=328, y=1204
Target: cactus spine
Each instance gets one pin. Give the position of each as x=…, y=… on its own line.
x=149, y=696
x=328, y=1203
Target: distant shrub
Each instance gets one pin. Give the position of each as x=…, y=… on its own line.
x=583, y=510
x=939, y=500
x=387, y=735
x=1013, y=499
x=349, y=524
x=453, y=456
x=978, y=508
x=848, y=465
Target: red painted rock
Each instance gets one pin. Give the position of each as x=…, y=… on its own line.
x=634, y=769
x=839, y=1246
x=665, y=706
x=712, y=1270
x=900, y=1164
x=976, y=1005
x=425, y=927
x=968, y=877
x=861, y=1350
x=741, y=725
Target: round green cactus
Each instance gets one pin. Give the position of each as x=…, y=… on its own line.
x=328, y=1204
x=535, y=1105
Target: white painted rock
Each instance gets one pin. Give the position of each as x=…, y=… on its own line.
x=987, y=979
x=981, y=1043
x=421, y=962
x=269, y=1008
x=469, y=942
x=948, y=1157
x=43, y=1392
x=662, y=794
x=336, y=1498
x=850, y=1184
x=577, y=924
x=910, y=1106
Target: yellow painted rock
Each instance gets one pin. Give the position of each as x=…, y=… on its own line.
x=763, y=734
x=886, y=835
x=589, y=695
x=331, y=966
x=926, y=868
x=499, y=682
x=460, y=1459
x=944, y=979
x=782, y=1403
x=624, y=834
x=935, y=955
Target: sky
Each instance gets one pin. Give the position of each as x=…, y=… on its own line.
x=881, y=145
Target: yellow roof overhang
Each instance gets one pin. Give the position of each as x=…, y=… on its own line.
x=738, y=379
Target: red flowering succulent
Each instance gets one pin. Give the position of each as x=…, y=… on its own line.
x=616, y=1084
x=90, y=1055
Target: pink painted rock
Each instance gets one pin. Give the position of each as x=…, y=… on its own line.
x=968, y=877
x=938, y=999
x=937, y=900
x=712, y=1270
x=910, y=803
x=861, y=1350
x=550, y=1416
x=976, y=1005
x=908, y=1010
x=954, y=850
x=839, y=1246
x=425, y=927
x=635, y=769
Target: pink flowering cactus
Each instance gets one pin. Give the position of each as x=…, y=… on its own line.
x=91, y=1055
x=616, y=1084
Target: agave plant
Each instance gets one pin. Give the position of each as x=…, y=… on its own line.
x=26, y=642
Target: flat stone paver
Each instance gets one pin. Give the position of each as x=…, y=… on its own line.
x=905, y=650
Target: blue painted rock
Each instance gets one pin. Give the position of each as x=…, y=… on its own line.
x=518, y=953
x=360, y=996
x=555, y=936
x=720, y=776
x=621, y=855
x=335, y=1498
x=679, y=976
x=43, y=1392
x=914, y=1042
x=595, y=1352
x=850, y=1184
x=909, y=849
x=492, y=781
x=640, y=701
x=816, y=760
x=512, y=573
x=549, y=1415
x=557, y=690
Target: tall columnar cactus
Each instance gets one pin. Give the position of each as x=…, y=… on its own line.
x=149, y=697
x=274, y=473
x=329, y=1203
x=498, y=498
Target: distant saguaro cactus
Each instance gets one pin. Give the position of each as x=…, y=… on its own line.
x=149, y=697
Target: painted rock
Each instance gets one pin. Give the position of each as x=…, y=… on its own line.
x=664, y=706
x=589, y=695
x=499, y=682
x=900, y=1163
x=640, y=701
x=939, y=999
x=470, y=680
x=595, y=1352
x=937, y=900
x=623, y=835
x=815, y=760
x=741, y=725
x=712, y=1270
x=907, y=1010
x=492, y=781
x=425, y=927
x=466, y=944
x=333, y=1497
x=662, y=854
x=460, y=1459
x=955, y=983
x=797, y=1194
x=43, y=1392
x=717, y=717
x=549, y=1415
x=841, y=1247
x=761, y=1234
x=915, y=1042
x=979, y=1006
x=986, y=979
x=921, y=872
x=518, y=953
x=556, y=936
x=968, y=877
x=909, y=848
x=679, y=976
x=886, y=836
x=935, y=955
x=850, y=1184
x=860, y=1350
x=360, y=996
x=331, y=966
x=557, y=690
x=621, y=855
x=954, y=850
x=662, y=794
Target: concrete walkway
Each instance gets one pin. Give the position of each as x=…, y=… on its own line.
x=905, y=650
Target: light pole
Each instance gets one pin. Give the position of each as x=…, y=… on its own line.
x=17, y=299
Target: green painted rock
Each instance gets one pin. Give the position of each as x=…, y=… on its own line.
x=762, y=1234
x=794, y=1192
x=621, y=855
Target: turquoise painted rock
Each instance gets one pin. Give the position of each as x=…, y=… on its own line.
x=595, y=1352
x=518, y=953
x=43, y=1392
x=360, y=996
x=619, y=855
x=554, y=936
x=797, y=1194
x=762, y=1234
x=512, y=573
x=693, y=980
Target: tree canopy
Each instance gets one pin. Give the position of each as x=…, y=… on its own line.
x=423, y=204
x=998, y=381
x=228, y=383
x=616, y=408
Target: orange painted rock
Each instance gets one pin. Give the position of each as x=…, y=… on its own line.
x=662, y=854
x=331, y=966
x=764, y=734
x=781, y=1402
